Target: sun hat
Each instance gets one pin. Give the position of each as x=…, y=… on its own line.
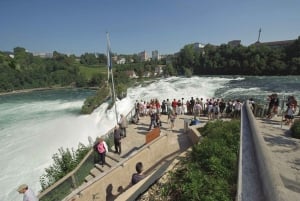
x=21, y=187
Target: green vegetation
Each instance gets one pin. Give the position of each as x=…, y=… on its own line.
x=90, y=71
x=209, y=173
x=64, y=162
x=239, y=60
x=93, y=102
x=295, y=129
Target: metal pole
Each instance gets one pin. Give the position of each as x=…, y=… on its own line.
x=109, y=64
x=114, y=95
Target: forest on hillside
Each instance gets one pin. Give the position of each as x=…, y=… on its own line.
x=239, y=60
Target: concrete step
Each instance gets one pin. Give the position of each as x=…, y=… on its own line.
x=111, y=160
x=113, y=156
x=95, y=172
x=101, y=168
x=88, y=178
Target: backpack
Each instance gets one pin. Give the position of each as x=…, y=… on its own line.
x=95, y=146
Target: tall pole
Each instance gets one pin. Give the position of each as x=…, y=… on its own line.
x=109, y=65
x=259, y=31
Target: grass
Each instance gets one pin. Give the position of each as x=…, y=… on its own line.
x=89, y=70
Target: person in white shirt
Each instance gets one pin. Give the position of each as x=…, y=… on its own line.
x=28, y=193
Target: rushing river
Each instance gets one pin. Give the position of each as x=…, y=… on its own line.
x=34, y=125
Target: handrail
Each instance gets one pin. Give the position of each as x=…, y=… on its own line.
x=73, y=172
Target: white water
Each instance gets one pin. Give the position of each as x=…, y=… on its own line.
x=29, y=141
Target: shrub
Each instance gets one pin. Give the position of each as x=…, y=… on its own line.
x=210, y=171
x=64, y=162
x=295, y=129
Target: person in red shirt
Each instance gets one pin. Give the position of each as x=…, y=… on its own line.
x=174, y=105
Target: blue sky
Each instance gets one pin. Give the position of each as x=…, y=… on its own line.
x=80, y=26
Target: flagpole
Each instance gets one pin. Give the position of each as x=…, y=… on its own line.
x=109, y=65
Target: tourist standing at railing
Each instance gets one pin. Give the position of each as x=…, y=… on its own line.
x=153, y=116
x=188, y=107
x=178, y=108
x=210, y=110
x=182, y=106
x=123, y=124
x=216, y=110
x=290, y=114
x=163, y=107
x=137, y=109
x=192, y=103
x=157, y=105
x=202, y=106
x=173, y=116
x=117, y=139
x=102, y=150
x=237, y=109
x=222, y=106
x=273, y=105
x=292, y=101
x=174, y=104
x=197, y=109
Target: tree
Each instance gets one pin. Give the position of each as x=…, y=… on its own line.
x=169, y=70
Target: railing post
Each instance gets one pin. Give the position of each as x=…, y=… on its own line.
x=74, y=181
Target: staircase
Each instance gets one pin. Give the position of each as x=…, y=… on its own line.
x=111, y=160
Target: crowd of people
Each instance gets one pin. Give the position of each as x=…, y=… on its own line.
x=212, y=108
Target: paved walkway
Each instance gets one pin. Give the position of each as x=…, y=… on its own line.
x=285, y=152
x=136, y=133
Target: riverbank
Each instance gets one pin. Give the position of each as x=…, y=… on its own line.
x=42, y=89
x=31, y=90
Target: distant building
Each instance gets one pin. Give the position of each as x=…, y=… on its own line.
x=199, y=46
x=155, y=55
x=114, y=58
x=131, y=74
x=275, y=44
x=234, y=43
x=143, y=56
x=159, y=70
x=121, y=61
x=43, y=54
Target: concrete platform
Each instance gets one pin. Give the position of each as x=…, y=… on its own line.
x=285, y=153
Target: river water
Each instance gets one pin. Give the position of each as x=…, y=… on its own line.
x=34, y=125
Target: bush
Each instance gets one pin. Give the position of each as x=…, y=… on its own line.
x=64, y=162
x=295, y=129
x=93, y=102
x=210, y=171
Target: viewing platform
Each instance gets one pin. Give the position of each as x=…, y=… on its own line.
x=269, y=161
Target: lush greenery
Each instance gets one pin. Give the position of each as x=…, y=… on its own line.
x=63, y=162
x=26, y=71
x=295, y=129
x=95, y=101
x=239, y=60
x=209, y=173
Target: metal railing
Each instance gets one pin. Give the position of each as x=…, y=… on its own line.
x=72, y=180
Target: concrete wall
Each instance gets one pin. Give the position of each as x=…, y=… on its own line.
x=118, y=178
x=272, y=184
